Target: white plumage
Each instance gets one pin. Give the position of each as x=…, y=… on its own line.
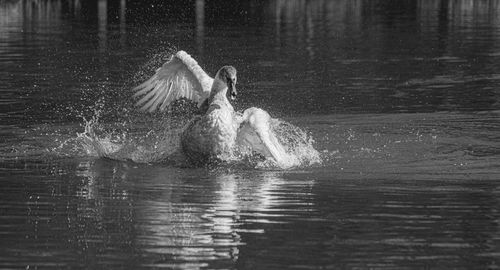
x=180, y=77
x=219, y=130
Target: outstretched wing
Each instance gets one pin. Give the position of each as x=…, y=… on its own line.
x=180, y=77
x=255, y=134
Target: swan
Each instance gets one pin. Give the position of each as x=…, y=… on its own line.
x=218, y=130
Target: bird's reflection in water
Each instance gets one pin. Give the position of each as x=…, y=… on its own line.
x=181, y=217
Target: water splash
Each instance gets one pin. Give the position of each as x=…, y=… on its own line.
x=297, y=143
x=160, y=143
x=157, y=144
x=125, y=134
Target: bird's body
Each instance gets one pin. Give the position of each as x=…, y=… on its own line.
x=210, y=136
x=219, y=130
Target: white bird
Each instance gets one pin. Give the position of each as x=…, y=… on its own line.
x=219, y=130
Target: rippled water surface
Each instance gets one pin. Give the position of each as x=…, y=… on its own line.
x=400, y=97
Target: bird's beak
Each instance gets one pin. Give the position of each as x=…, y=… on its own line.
x=232, y=91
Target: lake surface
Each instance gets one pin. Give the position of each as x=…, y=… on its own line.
x=402, y=99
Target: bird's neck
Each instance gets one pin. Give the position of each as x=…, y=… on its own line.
x=218, y=91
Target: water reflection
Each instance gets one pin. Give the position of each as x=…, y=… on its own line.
x=399, y=190
x=116, y=214
x=174, y=214
x=311, y=21
x=27, y=12
x=123, y=22
x=76, y=5
x=342, y=55
x=302, y=19
x=25, y=18
x=102, y=14
x=200, y=25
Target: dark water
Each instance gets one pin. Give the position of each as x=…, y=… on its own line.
x=401, y=97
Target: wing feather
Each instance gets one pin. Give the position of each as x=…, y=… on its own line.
x=164, y=104
x=155, y=94
x=180, y=77
x=255, y=133
x=158, y=98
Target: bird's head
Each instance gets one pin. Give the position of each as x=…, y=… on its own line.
x=227, y=75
